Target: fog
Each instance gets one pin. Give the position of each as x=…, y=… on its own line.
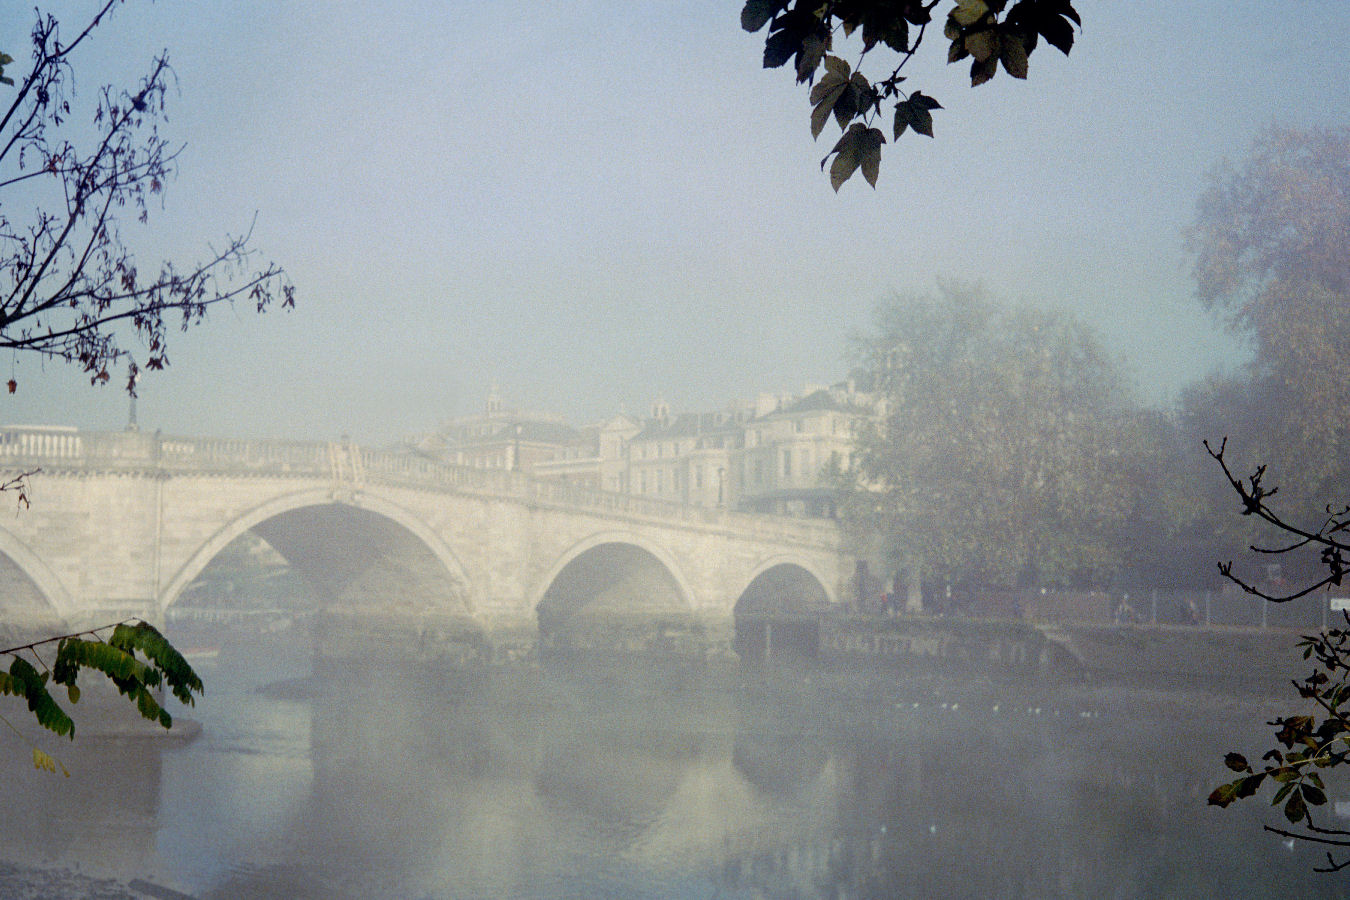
x=599, y=204
x=644, y=641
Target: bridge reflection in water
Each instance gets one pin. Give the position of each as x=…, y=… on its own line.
x=397, y=781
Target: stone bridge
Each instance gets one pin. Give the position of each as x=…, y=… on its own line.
x=121, y=523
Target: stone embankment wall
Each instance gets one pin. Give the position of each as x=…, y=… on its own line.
x=1163, y=656
x=1013, y=648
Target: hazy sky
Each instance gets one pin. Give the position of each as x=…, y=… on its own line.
x=599, y=203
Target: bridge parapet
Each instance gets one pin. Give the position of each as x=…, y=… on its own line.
x=37, y=442
x=56, y=450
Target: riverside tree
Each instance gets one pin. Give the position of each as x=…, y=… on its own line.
x=1272, y=260
x=71, y=289
x=866, y=99
x=1001, y=449
x=1272, y=247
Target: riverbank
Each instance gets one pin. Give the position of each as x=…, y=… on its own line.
x=36, y=883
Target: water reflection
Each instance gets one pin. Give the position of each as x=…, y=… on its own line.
x=605, y=781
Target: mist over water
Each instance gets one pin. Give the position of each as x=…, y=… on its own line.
x=613, y=778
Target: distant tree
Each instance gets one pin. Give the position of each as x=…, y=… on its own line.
x=1001, y=449
x=70, y=287
x=993, y=34
x=1272, y=259
x=1175, y=516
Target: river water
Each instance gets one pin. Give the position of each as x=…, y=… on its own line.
x=590, y=781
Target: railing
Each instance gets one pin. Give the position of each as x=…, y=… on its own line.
x=56, y=450
x=46, y=443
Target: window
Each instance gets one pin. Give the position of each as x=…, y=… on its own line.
x=787, y=463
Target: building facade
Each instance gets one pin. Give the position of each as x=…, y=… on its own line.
x=777, y=454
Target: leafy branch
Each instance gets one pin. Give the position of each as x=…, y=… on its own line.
x=989, y=32
x=1311, y=743
x=133, y=655
x=1318, y=739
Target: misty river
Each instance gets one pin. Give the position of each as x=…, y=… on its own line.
x=643, y=780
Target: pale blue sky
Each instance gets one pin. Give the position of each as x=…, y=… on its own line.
x=598, y=203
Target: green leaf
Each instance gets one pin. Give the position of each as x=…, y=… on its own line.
x=781, y=46
x=968, y=12
x=812, y=52
x=871, y=155
x=1059, y=33
x=1223, y=795
x=848, y=155
x=757, y=13
x=116, y=662
x=1293, y=730
x=1237, y=762
x=181, y=678
x=980, y=72
x=983, y=45
x=827, y=84
x=826, y=95
x=1013, y=55
x=914, y=113
x=885, y=25
x=920, y=99
x=1313, y=796
x=857, y=99
x=1295, y=810
x=1247, y=787
x=837, y=67
x=1053, y=19
x=33, y=687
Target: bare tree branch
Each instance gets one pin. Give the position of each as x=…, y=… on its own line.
x=75, y=291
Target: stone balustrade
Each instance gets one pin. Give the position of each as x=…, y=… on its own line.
x=55, y=450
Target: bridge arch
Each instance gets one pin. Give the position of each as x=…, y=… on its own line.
x=614, y=538
x=790, y=563
x=614, y=575
x=778, y=613
x=44, y=580
x=363, y=502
